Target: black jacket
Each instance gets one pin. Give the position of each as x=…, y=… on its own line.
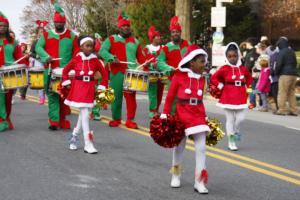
x=250, y=59
x=286, y=63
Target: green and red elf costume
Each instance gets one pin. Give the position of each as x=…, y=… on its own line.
x=171, y=54
x=156, y=89
x=10, y=51
x=126, y=50
x=57, y=45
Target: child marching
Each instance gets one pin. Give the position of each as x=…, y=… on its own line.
x=82, y=92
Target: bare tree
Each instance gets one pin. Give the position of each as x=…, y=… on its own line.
x=43, y=10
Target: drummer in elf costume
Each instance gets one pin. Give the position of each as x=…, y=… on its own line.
x=10, y=51
x=116, y=50
x=171, y=54
x=58, y=43
x=156, y=89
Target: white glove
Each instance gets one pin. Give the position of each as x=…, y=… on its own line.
x=101, y=87
x=220, y=86
x=163, y=116
x=66, y=82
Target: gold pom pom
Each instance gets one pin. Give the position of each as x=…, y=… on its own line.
x=104, y=97
x=216, y=133
x=176, y=170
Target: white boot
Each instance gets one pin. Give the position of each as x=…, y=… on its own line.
x=88, y=143
x=200, y=181
x=200, y=187
x=231, y=143
x=74, y=141
x=175, y=182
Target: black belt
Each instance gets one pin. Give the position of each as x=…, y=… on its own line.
x=84, y=78
x=191, y=101
x=236, y=83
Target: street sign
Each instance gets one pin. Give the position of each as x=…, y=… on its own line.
x=226, y=1
x=218, y=16
x=218, y=55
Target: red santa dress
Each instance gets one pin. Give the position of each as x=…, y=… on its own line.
x=82, y=93
x=187, y=87
x=233, y=80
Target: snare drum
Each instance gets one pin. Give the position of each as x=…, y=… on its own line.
x=164, y=78
x=136, y=80
x=56, y=78
x=36, y=78
x=13, y=76
x=154, y=76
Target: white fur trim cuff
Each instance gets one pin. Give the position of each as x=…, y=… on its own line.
x=66, y=82
x=101, y=87
x=232, y=106
x=220, y=86
x=78, y=105
x=163, y=116
x=197, y=129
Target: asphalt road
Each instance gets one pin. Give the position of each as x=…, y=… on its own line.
x=35, y=164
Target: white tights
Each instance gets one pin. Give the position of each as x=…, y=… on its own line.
x=83, y=122
x=200, y=148
x=233, y=120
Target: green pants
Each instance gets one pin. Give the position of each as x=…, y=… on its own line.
x=3, y=114
x=155, y=94
x=53, y=99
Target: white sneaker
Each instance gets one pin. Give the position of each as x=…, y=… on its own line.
x=175, y=182
x=89, y=148
x=200, y=187
x=73, y=147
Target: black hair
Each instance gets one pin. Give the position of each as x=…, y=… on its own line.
x=84, y=36
x=232, y=47
x=187, y=65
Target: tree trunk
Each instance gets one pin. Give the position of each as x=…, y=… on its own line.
x=183, y=11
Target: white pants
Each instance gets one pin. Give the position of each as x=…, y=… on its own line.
x=82, y=122
x=233, y=120
x=200, y=148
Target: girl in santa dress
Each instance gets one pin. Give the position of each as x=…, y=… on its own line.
x=187, y=87
x=233, y=79
x=82, y=92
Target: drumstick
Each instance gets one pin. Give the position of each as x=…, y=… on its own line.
x=56, y=58
x=123, y=62
x=144, y=64
x=20, y=59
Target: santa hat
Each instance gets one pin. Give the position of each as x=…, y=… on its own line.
x=59, y=15
x=174, y=25
x=192, y=51
x=123, y=20
x=3, y=18
x=152, y=33
x=41, y=24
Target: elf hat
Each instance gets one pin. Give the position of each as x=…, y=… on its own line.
x=41, y=24
x=192, y=51
x=152, y=33
x=59, y=15
x=3, y=18
x=123, y=20
x=174, y=25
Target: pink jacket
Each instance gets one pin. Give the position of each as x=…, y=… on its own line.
x=264, y=83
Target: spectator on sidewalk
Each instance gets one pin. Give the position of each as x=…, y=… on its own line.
x=264, y=85
x=274, y=78
x=286, y=69
x=250, y=59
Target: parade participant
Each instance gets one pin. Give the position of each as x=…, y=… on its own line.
x=35, y=60
x=82, y=92
x=10, y=51
x=121, y=51
x=171, y=54
x=155, y=90
x=56, y=48
x=233, y=78
x=187, y=85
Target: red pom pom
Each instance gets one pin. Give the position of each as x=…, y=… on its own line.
x=167, y=132
x=215, y=91
x=63, y=91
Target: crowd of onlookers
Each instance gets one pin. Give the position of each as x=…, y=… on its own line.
x=274, y=69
